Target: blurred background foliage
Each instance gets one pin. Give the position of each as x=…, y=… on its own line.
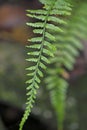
x=13, y=38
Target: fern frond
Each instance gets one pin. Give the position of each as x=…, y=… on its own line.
x=68, y=45
x=58, y=90
x=41, y=46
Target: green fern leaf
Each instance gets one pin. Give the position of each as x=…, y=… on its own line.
x=41, y=47
x=68, y=45
x=36, y=25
